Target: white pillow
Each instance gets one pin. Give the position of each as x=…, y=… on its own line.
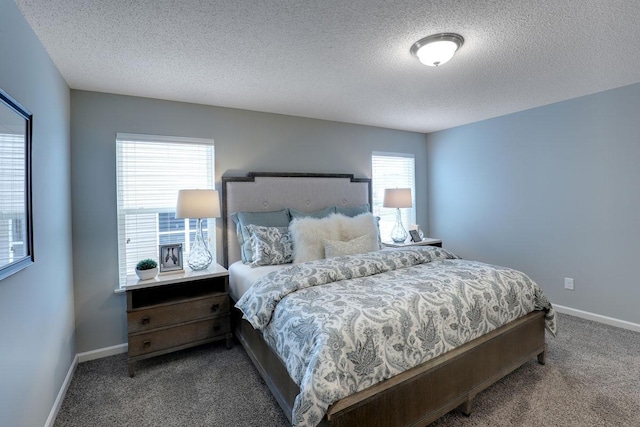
x=308, y=235
x=359, y=245
x=363, y=224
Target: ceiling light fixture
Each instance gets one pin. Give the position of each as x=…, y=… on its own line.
x=437, y=49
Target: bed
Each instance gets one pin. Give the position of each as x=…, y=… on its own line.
x=412, y=396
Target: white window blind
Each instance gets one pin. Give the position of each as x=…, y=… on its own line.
x=150, y=171
x=12, y=198
x=392, y=170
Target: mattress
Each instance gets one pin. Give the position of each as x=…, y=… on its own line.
x=243, y=276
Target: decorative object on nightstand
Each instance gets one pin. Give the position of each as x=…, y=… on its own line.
x=397, y=198
x=198, y=204
x=170, y=258
x=417, y=228
x=146, y=269
x=415, y=236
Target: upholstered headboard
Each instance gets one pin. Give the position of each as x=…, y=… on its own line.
x=260, y=192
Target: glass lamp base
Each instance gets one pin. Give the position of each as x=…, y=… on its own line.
x=199, y=257
x=398, y=234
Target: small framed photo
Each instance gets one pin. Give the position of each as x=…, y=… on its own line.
x=171, y=258
x=415, y=236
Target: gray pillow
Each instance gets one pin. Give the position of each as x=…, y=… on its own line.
x=265, y=219
x=270, y=245
x=295, y=214
x=354, y=211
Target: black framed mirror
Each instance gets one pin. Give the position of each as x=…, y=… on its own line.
x=16, y=223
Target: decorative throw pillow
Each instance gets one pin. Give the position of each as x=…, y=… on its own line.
x=322, y=213
x=363, y=224
x=355, y=211
x=266, y=219
x=270, y=245
x=309, y=234
x=359, y=245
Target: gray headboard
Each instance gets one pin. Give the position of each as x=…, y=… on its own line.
x=274, y=191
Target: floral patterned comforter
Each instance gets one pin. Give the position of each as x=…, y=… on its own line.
x=343, y=324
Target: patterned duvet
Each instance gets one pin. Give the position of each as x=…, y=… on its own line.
x=343, y=324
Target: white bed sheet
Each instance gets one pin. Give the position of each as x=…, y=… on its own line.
x=243, y=276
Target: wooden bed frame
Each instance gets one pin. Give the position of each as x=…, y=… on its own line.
x=415, y=397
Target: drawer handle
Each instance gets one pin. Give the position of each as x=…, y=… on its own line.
x=146, y=343
x=146, y=320
x=215, y=307
x=216, y=328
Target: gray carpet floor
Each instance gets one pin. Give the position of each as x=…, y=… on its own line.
x=592, y=378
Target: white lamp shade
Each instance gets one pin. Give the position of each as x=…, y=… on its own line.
x=198, y=204
x=397, y=198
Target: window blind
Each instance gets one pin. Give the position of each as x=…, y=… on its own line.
x=12, y=198
x=150, y=171
x=392, y=170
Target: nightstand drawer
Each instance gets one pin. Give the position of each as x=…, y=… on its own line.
x=156, y=317
x=150, y=342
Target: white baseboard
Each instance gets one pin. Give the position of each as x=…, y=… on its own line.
x=102, y=352
x=597, y=318
x=61, y=394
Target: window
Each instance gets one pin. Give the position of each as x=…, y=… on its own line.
x=392, y=170
x=16, y=229
x=150, y=171
x=12, y=213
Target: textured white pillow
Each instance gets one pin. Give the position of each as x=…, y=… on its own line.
x=359, y=245
x=309, y=234
x=363, y=224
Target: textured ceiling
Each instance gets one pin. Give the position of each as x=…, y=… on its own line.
x=344, y=60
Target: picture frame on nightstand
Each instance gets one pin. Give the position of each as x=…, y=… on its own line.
x=415, y=236
x=170, y=258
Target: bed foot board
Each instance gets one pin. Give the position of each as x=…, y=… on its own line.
x=450, y=381
x=466, y=407
x=542, y=357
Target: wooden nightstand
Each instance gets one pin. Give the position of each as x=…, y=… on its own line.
x=177, y=311
x=425, y=242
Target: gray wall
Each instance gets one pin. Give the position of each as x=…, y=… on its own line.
x=552, y=191
x=36, y=304
x=245, y=141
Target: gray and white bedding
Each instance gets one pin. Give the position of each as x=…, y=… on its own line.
x=343, y=324
x=242, y=276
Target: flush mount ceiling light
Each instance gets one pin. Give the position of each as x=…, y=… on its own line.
x=437, y=49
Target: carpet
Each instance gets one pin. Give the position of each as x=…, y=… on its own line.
x=592, y=378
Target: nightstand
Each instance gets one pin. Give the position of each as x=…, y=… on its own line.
x=177, y=311
x=425, y=242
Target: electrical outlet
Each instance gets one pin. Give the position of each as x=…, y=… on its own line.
x=568, y=283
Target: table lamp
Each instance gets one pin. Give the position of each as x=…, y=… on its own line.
x=397, y=198
x=198, y=204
